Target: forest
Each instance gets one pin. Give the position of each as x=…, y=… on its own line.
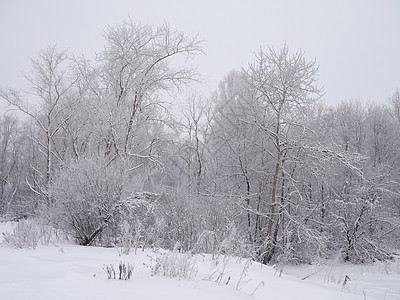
x=262, y=168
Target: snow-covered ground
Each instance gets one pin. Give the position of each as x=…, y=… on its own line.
x=65, y=271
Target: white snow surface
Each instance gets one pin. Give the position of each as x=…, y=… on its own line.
x=65, y=271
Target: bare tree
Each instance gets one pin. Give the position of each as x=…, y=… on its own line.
x=196, y=130
x=394, y=102
x=239, y=150
x=122, y=126
x=364, y=231
x=286, y=87
x=138, y=64
x=50, y=84
x=12, y=167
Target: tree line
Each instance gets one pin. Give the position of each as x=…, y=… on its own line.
x=261, y=168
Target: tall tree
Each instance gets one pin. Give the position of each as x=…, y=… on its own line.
x=50, y=84
x=286, y=85
x=127, y=116
x=137, y=65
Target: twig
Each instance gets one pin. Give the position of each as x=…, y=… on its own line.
x=305, y=277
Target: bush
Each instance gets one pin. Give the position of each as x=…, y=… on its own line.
x=86, y=199
x=174, y=265
x=235, y=243
x=127, y=239
x=25, y=235
x=92, y=197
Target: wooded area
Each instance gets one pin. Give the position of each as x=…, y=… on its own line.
x=262, y=168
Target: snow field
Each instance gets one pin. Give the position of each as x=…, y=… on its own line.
x=66, y=271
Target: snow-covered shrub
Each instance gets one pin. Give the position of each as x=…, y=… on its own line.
x=207, y=242
x=235, y=243
x=24, y=235
x=301, y=243
x=174, y=264
x=138, y=222
x=362, y=227
x=126, y=239
x=130, y=237
x=152, y=236
x=390, y=267
x=92, y=198
x=47, y=234
x=198, y=223
x=86, y=197
x=181, y=218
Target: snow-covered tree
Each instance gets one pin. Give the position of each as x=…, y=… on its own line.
x=50, y=85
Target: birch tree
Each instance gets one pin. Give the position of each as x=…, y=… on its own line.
x=50, y=84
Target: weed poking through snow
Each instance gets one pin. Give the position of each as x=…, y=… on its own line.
x=124, y=271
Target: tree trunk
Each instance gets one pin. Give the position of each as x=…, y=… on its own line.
x=272, y=216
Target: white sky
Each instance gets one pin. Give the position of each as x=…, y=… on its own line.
x=356, y=43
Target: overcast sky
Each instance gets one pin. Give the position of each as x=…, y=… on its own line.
x=355, y=43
